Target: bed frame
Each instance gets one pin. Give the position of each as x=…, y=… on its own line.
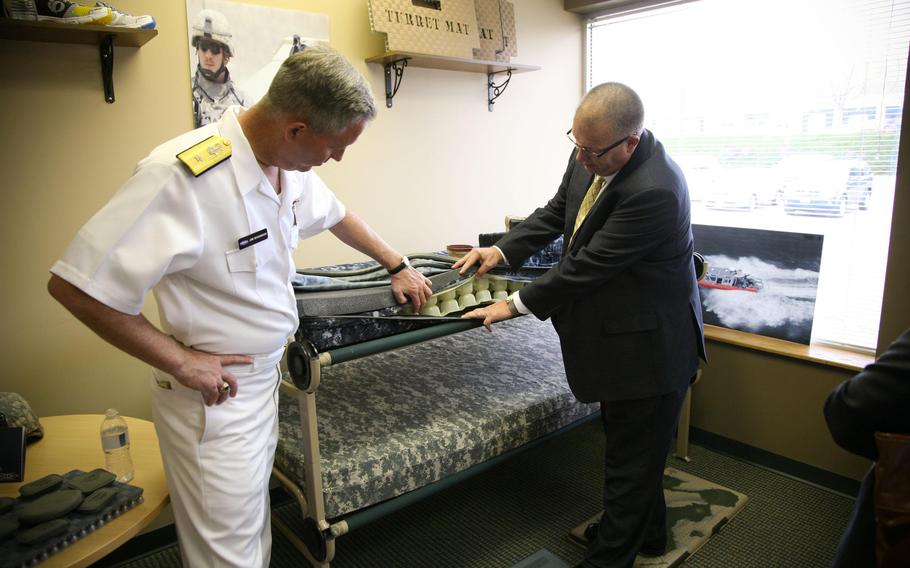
x=405, y=423
x=405, y=416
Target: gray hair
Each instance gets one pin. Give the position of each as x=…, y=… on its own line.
x=319, y=86
x=617, y=105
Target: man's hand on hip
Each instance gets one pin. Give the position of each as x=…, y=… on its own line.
x=205, y=373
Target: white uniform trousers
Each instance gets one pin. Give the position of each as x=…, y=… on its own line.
x=218, y=460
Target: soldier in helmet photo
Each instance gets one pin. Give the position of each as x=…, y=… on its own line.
x=213, y=88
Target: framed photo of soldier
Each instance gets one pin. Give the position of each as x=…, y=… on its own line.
x=236, y=48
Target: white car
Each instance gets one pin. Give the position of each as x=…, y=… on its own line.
x=817, y=184
x=744, y=187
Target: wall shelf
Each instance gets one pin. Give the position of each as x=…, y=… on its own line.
x=72, y=33
x=103, y=36
x=394, y=63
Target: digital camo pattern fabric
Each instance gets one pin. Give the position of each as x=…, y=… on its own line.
x=327, y=332
x=19, y=413
x=546, y=257
x=394, y=422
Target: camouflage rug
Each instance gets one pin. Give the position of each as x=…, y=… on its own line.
x=696, y=509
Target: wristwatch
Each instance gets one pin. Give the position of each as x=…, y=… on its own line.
x=510, y=303
x=405, y=263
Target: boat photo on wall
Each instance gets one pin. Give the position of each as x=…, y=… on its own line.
x=759, y=281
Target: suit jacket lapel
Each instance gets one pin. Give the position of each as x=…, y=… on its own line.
x=639, y=156
x=642, y=152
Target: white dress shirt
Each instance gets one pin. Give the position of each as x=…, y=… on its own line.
x=178, y=234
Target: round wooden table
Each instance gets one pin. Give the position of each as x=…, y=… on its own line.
x=74, y=442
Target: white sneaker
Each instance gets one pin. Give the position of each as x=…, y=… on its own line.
x=60, y=11
x=124, y=20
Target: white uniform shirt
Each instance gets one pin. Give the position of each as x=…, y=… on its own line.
x=178, y=234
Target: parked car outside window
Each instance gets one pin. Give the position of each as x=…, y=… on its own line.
x=744, y=188
x=817, y=184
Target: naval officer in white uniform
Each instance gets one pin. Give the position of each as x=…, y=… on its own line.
x=211, y=232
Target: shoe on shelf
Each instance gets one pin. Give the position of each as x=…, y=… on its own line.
x=123, y=20
x=60, y=11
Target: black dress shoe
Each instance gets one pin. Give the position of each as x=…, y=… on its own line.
x=653, y=549
x=647, y=548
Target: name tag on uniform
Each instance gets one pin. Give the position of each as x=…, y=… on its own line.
x=252, y=239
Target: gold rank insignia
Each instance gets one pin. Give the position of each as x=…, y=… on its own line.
x=205, y=155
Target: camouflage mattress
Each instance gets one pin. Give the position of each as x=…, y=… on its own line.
x=403, y=419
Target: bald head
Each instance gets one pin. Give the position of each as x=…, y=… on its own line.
x=613, y=105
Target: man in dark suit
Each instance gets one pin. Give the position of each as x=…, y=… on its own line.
x=624, y=302
x=875, y=400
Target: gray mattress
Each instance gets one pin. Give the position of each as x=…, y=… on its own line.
x=397, y=421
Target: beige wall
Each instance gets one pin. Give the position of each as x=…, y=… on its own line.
x=772, y=403
x=435, y=169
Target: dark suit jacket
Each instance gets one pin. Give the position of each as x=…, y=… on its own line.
x=623, y=299
x=875, y=400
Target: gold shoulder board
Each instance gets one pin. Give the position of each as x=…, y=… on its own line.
x=205, y=155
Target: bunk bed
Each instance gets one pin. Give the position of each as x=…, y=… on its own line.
x=405, y=414
x=409, y=405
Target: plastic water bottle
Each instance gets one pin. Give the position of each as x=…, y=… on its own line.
x=115, y=440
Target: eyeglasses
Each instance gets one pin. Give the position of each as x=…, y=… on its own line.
x=212, y=47
x=594, y=154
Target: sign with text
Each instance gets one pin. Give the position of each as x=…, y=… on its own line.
x=433, y=27
x=496, y=30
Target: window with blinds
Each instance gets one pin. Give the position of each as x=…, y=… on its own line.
x=784, y=116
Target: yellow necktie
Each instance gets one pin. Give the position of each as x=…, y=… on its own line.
x=588, y=202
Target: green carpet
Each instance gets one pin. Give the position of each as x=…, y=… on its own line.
x=532, y=501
